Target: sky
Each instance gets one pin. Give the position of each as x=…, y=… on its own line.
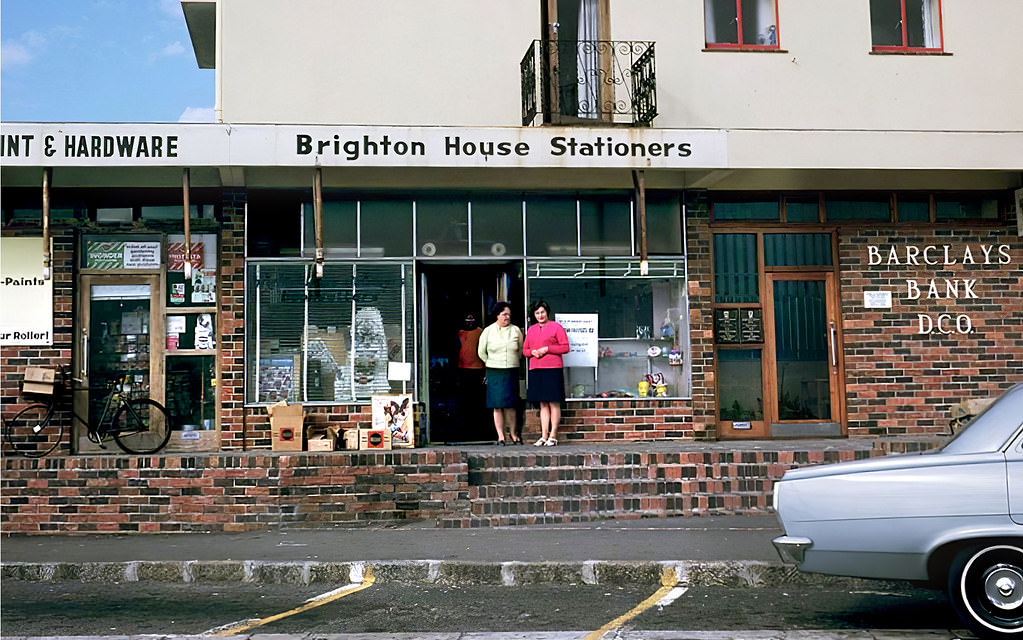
x=100, y=61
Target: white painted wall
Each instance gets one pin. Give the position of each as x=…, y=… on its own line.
x=456, y=62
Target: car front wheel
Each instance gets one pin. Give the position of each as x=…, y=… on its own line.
x=986, y=587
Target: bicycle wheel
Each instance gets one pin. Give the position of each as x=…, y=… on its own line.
x=141, y=425
x=33, y=432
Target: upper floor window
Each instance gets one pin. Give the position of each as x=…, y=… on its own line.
x=905, y=25
x=741, y=24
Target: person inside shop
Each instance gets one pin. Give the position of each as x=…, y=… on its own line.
x=500, y=348
x=546, y=341
x=470, y=368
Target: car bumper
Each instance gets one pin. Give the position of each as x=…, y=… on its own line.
x=792, y=549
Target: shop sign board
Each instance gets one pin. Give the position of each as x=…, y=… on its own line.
x=107, y=256
x=217, y=145
x=26, y=298
x=582, y=338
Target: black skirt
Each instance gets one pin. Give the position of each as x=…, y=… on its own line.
x=545, y=385
x=502, y=388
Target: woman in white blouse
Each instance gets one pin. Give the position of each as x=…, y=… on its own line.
x=501, y=349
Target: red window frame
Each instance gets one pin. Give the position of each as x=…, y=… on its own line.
x=905, y=47
x=741, y=46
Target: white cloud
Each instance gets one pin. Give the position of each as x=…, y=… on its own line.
x=13, y=54
x=198, y=114
x=173, y=49
x=172, y=8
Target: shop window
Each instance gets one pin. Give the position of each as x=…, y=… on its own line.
x=740, y=385
x=605, y=227
x=328, y=339
x=802, y=209
x=905, y=25
x=663, y=225
x=442, y=227
x=385, y=228
x=868, y=209
x=913, y=208
x=496, y=226
x=735, y=268
x=630, y=333
x=723, y=208
x=176, y=213
x=797, y=249
x=340, y=229
x=741, y=24
x=551, y=228
x=965, y=208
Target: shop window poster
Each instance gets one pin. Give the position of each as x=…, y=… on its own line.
x=276, y=378
x=394, y=413
x=204, y=286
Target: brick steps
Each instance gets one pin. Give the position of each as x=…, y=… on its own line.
x=543, y=488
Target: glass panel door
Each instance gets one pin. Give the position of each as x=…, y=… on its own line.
x=805, y=356
x=117, y=342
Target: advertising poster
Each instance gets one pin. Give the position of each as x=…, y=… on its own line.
x=582, y=338
x=26, y=299
x=394, y=413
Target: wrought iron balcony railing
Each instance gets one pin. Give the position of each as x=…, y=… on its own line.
x=589, y=81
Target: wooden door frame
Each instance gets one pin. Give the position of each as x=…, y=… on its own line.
x=157, y=384
x=836, y=364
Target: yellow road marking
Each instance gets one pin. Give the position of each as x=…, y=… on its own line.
x=668, y=582
x=367, y=580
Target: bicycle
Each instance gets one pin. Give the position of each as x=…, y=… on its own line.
x=136, y=424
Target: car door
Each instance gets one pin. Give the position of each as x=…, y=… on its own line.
x=1014, y=472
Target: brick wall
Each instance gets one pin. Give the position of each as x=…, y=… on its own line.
x=16, y=358
x=227, y=492
x=903, y=370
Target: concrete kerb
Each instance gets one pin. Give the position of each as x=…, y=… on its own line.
x=732, y=574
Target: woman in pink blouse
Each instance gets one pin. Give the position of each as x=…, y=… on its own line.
x=545, y=343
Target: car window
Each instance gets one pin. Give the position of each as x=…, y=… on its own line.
x=991, y=428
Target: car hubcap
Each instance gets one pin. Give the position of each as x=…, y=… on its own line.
x=1002, y=585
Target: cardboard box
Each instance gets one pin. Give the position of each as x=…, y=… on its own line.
x=351, y=439
x=38, y=380
x=375, y=439
x=320, y=438
x=285, y=426
x=320, y=444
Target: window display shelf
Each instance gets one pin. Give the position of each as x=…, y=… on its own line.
x=173, y=310
x=191, y=352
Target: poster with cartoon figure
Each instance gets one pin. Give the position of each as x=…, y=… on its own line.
x=394, y=413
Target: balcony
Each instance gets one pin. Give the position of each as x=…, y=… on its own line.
x=590, y=82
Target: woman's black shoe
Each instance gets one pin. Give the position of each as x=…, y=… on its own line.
x=501, y=443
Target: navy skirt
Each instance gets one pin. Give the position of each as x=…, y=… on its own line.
x=545, y=385
x=502, y=388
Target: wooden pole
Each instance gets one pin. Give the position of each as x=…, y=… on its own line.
x=640, y=183
x=185, y=187
x=47, y=178
x=318, y=220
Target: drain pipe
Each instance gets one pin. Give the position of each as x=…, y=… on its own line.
x=188, y=224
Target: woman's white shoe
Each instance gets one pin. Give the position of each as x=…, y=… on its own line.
x=551, y=442
x=539, y=443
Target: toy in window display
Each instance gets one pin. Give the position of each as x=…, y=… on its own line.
x=367, y=374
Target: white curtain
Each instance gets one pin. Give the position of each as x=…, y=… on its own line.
x=928, y=24
x=587, y=60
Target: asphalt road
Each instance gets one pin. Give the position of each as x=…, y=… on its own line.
x=847, y=606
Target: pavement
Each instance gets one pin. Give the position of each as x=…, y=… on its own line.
x=729, y=550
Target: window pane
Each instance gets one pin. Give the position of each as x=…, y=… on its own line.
x=551, y=227
x=865, y=209
x=442, y=227
x=740, y=385
x=951, y=208
x=382, y=328
x=917, y=24
x=633, y=315
x=735, y=267
x=272, y=223
x=663, y=225
x=329, y=335
x=801, y=347
x=758, y=22
x=274, y=323
x=913, y=209
x=722, y=21
x=605, y=227
x=802, y=210
x=797, y=249
x=339, y=229
x=745, y=210
x=386, y=228
x=886, y=23
x=497, y=227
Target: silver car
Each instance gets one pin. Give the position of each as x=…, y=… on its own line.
x=951, y=517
